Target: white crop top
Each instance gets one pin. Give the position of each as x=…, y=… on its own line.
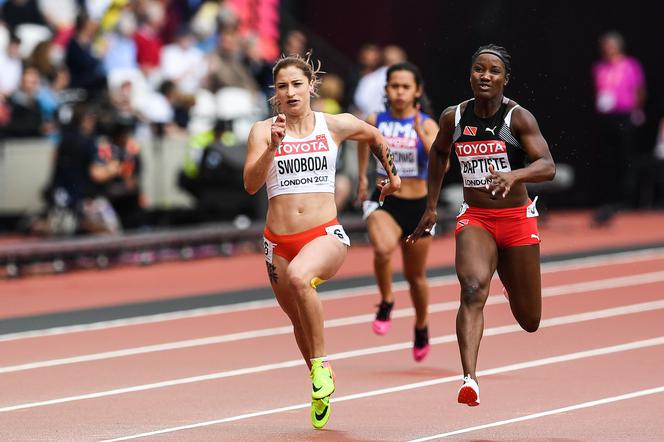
x=304, y=165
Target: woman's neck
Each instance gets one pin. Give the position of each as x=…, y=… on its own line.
x=403, y=113
x=300, y=124
x=485, y=108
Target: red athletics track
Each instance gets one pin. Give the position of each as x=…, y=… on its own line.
x=592, y=372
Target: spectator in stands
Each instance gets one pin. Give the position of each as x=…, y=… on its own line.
x=183, y=63
x=227, y=65
x=10, y=66
x=212, y=173
x=17, y=12
x=369, y=58
x=27, y=116
x=370, y=93
x=116, y=173
x=330, y=95
x=259, y=67
x=148, y=41
x=295, y=42
x=121, y=51
x=86, y=70
x=620, y=95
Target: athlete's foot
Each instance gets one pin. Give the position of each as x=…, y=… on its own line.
x=320, y=412
x=469, y=393
x=382, y=323
x=421, y=344
x=322, y=379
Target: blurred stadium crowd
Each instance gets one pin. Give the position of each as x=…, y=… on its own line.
x=101, y=78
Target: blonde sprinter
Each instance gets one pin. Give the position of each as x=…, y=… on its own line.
x=294, y=155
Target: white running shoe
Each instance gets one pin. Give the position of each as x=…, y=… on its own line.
x=469, y=393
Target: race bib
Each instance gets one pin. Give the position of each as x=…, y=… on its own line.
x=268, y=248
x=338, y=232
x=475, y=157
x=369, y=207
x=404, y=152
x=531, y=210
x=463, y=209
x=305, y=164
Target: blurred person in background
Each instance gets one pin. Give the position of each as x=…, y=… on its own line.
x=410, y=134
x=369, y=58
x=27, y=112
x=116, y=173
x=11, y=66
x=227, y=66
x=121, y=52
x=183, y=63
x=370, y=92
x=620, y=94
x=86, y=70
x=330, y=96
x=70, y=189
x=295, y=43
x=148, y=39
x=18, y=12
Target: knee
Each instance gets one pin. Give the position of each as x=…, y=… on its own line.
x=382, y=254
x=297, y=281
x=473, y=293
x=418, y=280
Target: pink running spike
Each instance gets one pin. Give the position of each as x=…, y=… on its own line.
x=420, y=353
x=381, y=327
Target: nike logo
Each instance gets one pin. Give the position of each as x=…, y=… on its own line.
x=322, y=415
x=492, y=130
x=316, y=389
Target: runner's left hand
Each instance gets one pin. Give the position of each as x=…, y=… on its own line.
x=501, y=182
x=387, y=187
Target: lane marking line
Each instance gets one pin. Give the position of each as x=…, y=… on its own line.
x=550, y=267
x=607, y=400
x=493, y=331
x=504, y=369
x=582, y=287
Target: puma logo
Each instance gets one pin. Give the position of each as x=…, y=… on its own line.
x=492, y=130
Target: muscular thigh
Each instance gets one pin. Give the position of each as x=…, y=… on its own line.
x=276, y=271
x=321, y=257
x=476, y=257
x=519, y=271
x=384, y=232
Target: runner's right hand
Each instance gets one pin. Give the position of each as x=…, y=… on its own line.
x=427, y=222
x=277, y=131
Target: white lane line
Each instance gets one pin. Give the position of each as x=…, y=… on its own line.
x=493, y=331
x=551, y=267
x=504, y=369
x=589, y=404
x=581, y=287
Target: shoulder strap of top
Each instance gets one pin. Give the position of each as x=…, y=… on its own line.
x=457, y=115
x=508, y=116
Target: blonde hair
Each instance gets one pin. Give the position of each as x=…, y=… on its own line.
x=310, y=68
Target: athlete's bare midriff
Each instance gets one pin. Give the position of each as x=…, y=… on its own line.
x=294, y=213
x=518, y=196
x=411, y=188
